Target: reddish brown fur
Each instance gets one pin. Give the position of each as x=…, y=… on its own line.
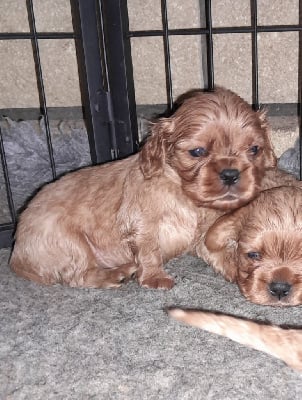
x=281, y=343
x=97, y=226
x=270, y=225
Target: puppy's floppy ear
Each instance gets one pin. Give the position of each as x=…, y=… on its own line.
x=224, y=232
x=153, y=154
x=270, y=157
x=221, y=242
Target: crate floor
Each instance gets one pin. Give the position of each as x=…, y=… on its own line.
x=64, y=343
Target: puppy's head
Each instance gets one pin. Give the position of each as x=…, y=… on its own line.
x=216, y=145
x=259, y=246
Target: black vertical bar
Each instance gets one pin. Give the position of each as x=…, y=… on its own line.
x=169, y=87
x=203, y=43
x=95, y=97
x=120, y=75
x=43, y=105
x=105, y=76
x=210, y=58
x=255, y=83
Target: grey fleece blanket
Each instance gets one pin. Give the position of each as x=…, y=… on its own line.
x=63, y=343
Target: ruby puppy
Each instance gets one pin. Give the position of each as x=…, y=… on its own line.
x=259, y=247
x=98, y=226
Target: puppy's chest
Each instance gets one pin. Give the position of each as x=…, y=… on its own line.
x=177, y=231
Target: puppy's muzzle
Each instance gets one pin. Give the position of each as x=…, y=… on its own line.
x=229, y=176
x=279, y=289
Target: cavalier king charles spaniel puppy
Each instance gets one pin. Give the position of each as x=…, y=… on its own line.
x=259, y=247
x=284, y=344
x=98, y=226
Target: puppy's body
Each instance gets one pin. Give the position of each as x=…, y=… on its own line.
x=259, y=247
x=284, y=344
x=97, y=226
x=87, y=244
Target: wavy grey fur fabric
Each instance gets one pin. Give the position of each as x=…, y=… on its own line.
x=290, y=160
x=63, y=343
x=27, y=154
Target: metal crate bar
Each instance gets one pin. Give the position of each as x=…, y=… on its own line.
x=42, y=35
x=217, y=30
x=169, y=87
x=120, y=76
x=255, y=86
x=209, y=35
x=105, y=70
x=36, y=53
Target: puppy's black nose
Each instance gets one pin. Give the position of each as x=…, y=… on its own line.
x=279, y=289
x=229, y=176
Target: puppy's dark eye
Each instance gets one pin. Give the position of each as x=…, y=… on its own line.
x=198, y=152
x=254, y=150
x=254, y=255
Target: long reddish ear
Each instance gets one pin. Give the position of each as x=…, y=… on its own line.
x=224, y=232
x=221, y=242
x=153, y=154
x=270, y=157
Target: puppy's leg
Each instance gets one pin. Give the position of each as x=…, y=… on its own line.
x=150, y=272
x=97, y=277
x=67, y=258
x=92, y=277
x=31, y=274
x=101, y=273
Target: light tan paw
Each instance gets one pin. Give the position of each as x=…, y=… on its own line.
x=160, y=282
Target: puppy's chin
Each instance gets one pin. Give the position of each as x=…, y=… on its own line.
x=228, y=202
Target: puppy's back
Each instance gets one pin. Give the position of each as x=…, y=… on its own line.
x=50, y=243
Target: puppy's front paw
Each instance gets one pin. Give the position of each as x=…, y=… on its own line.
x=160, y=282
